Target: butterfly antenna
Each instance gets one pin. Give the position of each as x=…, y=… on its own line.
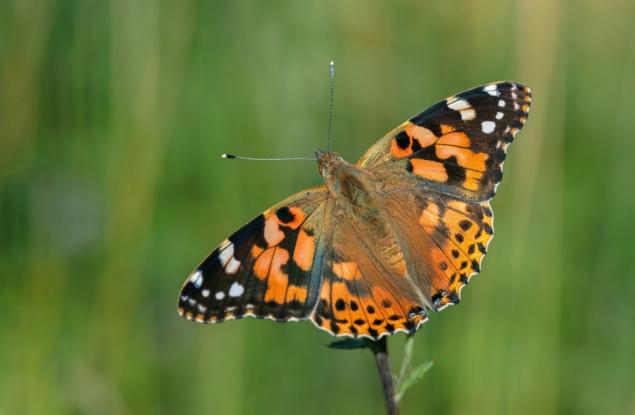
x=328, y=134
x=232, y=156
x=331, y=98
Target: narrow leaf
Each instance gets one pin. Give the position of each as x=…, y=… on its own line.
x=414, y=376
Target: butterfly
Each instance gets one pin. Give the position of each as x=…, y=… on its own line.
x=382, y=241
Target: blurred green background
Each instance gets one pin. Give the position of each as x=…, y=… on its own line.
x=112, y=118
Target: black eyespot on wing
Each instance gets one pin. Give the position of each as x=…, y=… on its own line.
x=285, y=215
x=402, y=140
x=465, y=224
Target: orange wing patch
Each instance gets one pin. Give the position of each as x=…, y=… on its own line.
x=452, y=138
x=273, y=234
x=465, y=157
x=263, y=261
x=277, y=280
x=304, y=250
x=431, y=170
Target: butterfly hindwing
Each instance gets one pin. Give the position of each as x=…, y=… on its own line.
x=264, y=269
x=366, y=289
x=457, y=146
x=459, y=232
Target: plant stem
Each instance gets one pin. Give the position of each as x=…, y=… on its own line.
x=380, y=350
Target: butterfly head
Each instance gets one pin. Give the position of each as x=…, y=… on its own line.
x=327, y=161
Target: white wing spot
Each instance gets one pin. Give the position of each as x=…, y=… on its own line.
x=219, y=295
x=226, y=254
x=468, y=115
x=205, y=293
x=226, y=258
x=459, y=104
x=232, y=266
x=197, y=279
x=236, y=290
x=202, y=308
x=499, y=115
x=488, y=126
x=492, y=90
x=501, y=103
x=464, y=107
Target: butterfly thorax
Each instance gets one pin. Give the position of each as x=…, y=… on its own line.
x=349, y=185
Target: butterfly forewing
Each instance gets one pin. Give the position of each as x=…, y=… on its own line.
x=265, y=269
x=457, y=146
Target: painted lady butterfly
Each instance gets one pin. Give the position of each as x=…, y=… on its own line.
x=366, y=253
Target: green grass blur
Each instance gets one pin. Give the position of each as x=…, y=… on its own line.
x=112, y=118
